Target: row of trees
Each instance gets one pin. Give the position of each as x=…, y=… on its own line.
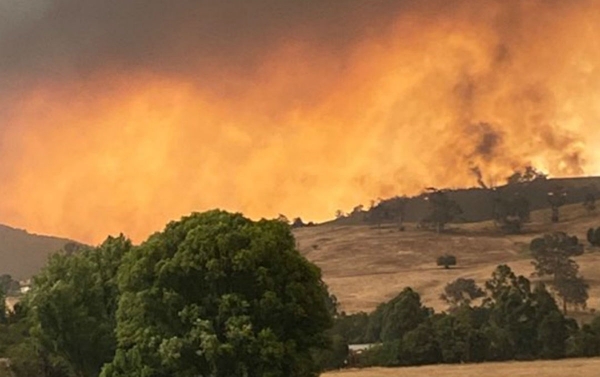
x=553, y=262
x=510, y=212
x=515, y=320
x=214, y=294
x=379, y=212
x=220, y=295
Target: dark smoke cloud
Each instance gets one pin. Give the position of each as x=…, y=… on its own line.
x=140, y=110
x=64, y=38
x=489, y=140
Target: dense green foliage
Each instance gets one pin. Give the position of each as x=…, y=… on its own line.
x=216, y=294
x=65, y=325
x=73, y=304
x=392, y=320
x=515, y=321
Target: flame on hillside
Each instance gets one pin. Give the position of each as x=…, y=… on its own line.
x=305, y=124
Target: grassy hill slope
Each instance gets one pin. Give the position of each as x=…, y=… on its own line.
x=23, y=254
x=562, y=368
x=366, y=265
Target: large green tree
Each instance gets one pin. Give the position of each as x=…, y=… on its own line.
x=27, y=359
x=552, y=252
x=393, y=319
x=72, y=306
x=552, y=255
x=460, y=334
x=524, y=321
x=216, y=294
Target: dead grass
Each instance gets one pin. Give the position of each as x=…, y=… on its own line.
x=365, y=265
x=562, y=368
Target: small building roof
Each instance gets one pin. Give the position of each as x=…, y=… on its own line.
x=360, y=347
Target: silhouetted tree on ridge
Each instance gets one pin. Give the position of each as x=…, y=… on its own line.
x=557, y=198
x=443, y=210
x=511, y=214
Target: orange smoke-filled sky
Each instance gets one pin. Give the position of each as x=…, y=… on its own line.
x=120, y=116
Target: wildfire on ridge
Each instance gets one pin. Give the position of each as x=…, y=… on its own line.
x=307, y=124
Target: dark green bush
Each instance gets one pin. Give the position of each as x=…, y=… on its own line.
x=446, y=261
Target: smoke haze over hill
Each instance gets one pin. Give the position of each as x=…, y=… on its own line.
x=120, y=115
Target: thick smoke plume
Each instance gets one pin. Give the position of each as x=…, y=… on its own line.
x=121, y=115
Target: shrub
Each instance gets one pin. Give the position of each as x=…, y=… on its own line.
x=446, y=261
x=593, y=236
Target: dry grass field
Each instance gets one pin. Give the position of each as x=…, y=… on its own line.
x=563, y=368
x=365, y=265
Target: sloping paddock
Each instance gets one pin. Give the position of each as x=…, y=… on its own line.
x=561, y=368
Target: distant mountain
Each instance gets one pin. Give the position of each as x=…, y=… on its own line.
x=23, y=254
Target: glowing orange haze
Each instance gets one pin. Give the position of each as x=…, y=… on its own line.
x=309, y=132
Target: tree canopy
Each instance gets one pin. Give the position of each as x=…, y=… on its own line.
x=461, y=292
x=216, y=294
x=551, y=252
x=443, y=209
x=397, y=317
x=446, y=261
x=516, y=320
x=552, y=255
x=73, y=305
x=511, y=213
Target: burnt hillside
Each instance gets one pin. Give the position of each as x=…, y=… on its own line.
x=477, y=203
